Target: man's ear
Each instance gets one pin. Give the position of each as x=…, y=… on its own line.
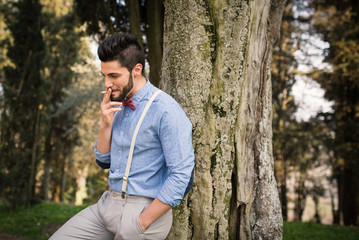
x=137, y=70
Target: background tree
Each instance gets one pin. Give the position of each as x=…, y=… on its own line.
x=4, y=61
x=24, y=96
x=216, y=63
x=82, y=100
x=283, y=69
x=4, y=39
x=301, y=152
x=63, y=42
x=44, y=44
x=337, y=22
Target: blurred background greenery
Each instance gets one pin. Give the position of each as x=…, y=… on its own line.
x=50, y=87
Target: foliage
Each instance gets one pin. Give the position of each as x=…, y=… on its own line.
x=50, y=135
x=103, y=17
x=4, y=38
x=24, y=96
x=63, y=45
x=309, y=230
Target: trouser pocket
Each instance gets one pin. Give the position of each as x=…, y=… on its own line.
x=121, y=218
x=129, y=227
x=160, y=228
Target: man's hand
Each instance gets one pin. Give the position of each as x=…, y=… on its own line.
x=107, y=115
x=152, y=213
x=108, y=109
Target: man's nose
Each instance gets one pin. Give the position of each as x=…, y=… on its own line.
x=108, y=82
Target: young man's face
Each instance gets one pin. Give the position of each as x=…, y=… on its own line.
x=118, y=78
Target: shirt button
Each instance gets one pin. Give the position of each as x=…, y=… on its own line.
x=121, y=133
x=120, y=151
x=112, y=181
x=117, y=170
x=126, y=114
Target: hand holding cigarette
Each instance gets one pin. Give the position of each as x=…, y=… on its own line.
x=108, y=108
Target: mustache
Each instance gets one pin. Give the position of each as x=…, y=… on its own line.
x=111, y=90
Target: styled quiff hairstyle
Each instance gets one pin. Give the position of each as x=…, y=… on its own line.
x=124, y=48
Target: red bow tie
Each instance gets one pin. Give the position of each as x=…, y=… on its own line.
x=129, y=103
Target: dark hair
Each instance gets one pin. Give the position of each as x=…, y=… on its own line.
x=124, y=48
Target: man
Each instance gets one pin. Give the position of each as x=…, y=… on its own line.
x=138, y=206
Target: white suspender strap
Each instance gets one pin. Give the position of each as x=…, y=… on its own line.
x=129, y=160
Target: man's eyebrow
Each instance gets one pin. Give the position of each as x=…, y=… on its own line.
x=110, y=74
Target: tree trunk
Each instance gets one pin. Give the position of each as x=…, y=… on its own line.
x=81, y=192
x=316, y=215
x=57, y=171
x=154, y=39
x=282, y=161
x=335, y=211
x=350, y=197
x=63, y=177
x=284, y=200
x=34, y=156
x=301, y=199
x=135, y=19
x=47, y=165
x=216, y=63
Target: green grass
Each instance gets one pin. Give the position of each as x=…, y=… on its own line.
x=36, y=222
x=40, y=221
x=314, y=231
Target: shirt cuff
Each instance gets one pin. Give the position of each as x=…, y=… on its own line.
x=102, y=157
x=168, y=200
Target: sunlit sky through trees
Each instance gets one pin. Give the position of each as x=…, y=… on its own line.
x=307, y=93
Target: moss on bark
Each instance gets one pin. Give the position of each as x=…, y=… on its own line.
x=216, y=65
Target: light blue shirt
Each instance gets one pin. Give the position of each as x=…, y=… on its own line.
x=163, y=158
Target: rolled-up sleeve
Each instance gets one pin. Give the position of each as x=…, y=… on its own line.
x=102, y=159
x=176, y=140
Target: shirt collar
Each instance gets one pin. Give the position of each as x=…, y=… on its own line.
x=140, y=94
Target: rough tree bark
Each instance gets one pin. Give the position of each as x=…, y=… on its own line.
x=216, y=63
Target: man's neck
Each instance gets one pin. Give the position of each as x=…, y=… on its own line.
x=138, y=83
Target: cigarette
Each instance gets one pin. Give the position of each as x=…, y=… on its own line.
x=105, y=91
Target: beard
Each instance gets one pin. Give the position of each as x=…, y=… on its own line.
x=125, y=91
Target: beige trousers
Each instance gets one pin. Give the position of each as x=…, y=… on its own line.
x=114, y=218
